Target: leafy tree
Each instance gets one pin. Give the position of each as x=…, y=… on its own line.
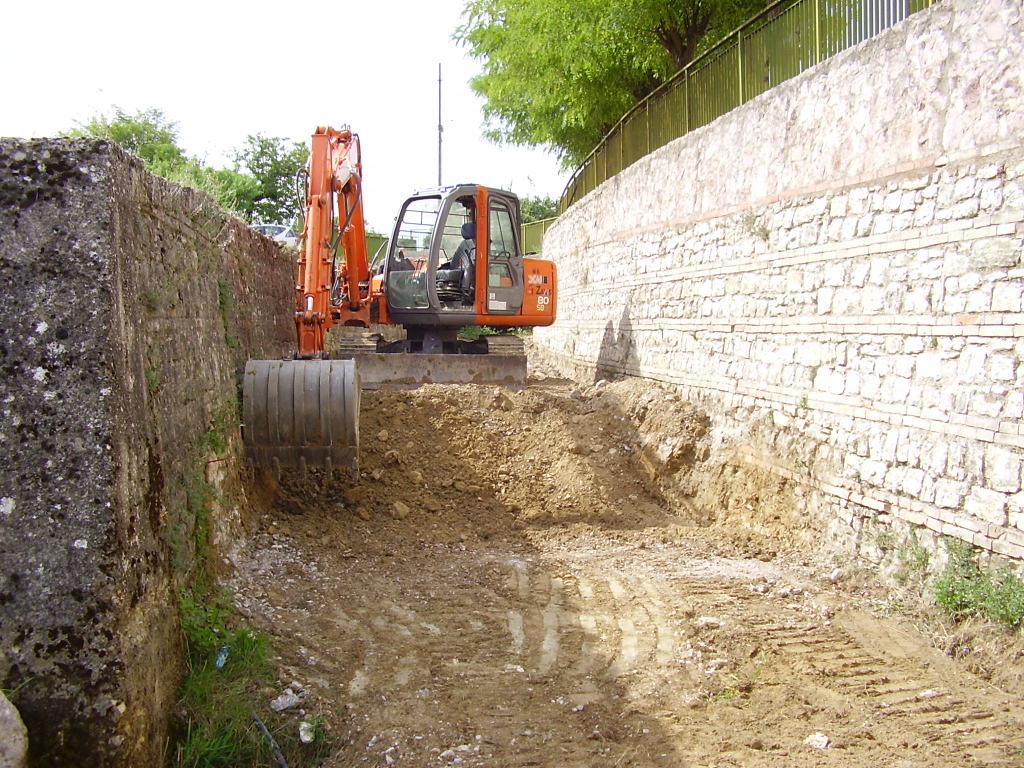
x=147, y=134
x=153, y=138
x=234, y=192
x=537, y=208
x=560, y=73
x=274, y=164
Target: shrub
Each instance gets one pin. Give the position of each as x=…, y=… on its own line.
x=964, y=589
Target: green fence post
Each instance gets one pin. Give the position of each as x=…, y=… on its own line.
x=647, y=121
x=622, y=148
x=817, y=31
x=686, y=102
x=739, y=58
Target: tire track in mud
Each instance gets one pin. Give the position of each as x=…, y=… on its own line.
x=915, y=704
x=527, y=652
x=584, y=631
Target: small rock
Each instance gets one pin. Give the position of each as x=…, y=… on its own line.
x=383, y=436
x=352, y=496
x=399, y=510
x=818, y=740
x=708, y=621
x=715, y=665
x=431, y=504
x=306, y=734
x=362, y=513
x=393, y=457
x=284, y=701
x=836, y=575
x=13, y=736
x=501, y=401
x=416, y=476
x=579, y=449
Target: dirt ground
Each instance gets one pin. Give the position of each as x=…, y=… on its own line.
x=534, y=578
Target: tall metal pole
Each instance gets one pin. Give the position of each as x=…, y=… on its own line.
x=440, y=129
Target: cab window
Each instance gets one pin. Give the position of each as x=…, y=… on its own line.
x=499, y=276
x=460, y=213
x=501, y=232
x=409, y=253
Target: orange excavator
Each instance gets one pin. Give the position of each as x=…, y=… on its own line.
x=454, y=260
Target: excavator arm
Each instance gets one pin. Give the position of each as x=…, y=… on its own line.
x=334, y=196
x=306, y=411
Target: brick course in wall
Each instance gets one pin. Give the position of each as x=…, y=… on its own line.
x=865, y=312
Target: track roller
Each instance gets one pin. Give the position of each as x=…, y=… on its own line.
x=301, y=413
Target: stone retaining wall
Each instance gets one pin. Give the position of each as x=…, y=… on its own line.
x=834, y=270
x=128, y=307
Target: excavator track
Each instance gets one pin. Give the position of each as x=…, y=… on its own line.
x=301, y=413
x=351, y=347
x=506, y=345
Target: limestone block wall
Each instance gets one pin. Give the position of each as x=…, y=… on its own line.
x=834, y=270
x=128, y=306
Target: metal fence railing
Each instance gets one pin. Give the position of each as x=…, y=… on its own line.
x=782, y=41
x=533, y=234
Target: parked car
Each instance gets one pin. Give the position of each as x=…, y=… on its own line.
x=282, y=233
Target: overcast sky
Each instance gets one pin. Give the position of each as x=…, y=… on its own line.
x=223, y=69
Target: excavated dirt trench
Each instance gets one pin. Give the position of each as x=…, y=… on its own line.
x=509, y=584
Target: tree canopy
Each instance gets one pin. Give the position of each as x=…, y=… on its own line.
x=274, y=164
x=560, y=73
x=261, y=186
x=147, y=134
x=537, y=208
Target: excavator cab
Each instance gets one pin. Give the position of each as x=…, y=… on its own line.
x=455, y=260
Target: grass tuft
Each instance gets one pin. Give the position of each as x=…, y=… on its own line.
x=215, y=727
x=964, y=589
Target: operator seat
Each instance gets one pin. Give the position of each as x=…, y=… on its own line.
x=465, y=259
x=458, y=282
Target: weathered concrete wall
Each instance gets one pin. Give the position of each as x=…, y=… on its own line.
x=834, y=271
x=128, y=307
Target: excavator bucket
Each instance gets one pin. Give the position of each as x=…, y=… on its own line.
x=301, y=413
